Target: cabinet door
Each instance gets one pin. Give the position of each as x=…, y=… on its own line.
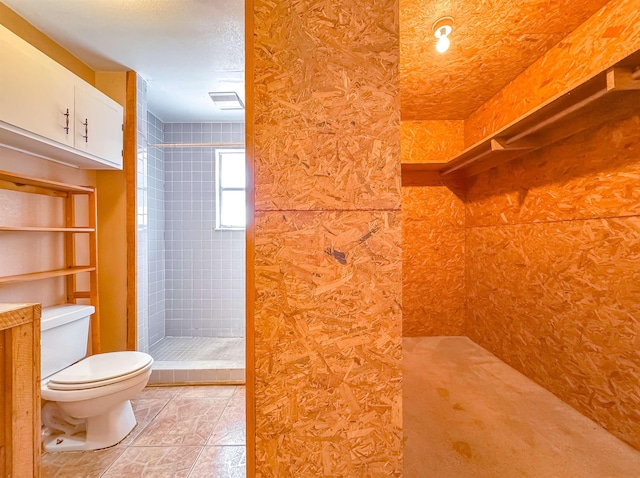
x=35, y=93
x=98, y=125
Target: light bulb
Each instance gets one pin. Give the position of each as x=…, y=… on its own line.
x=441, y=30
x=443, y=44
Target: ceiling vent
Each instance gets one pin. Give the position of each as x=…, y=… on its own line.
x=226, y=100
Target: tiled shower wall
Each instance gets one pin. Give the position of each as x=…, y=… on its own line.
x=204, y=266
x=156, y=213
x=142, y=258
x=190, y=276
x=150, y=224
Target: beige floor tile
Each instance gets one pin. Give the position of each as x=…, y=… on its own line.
x=241, y=391
x=183, y=421
x=145, y=410
x=154, y=462
x=221, y=462
x=231, y=428
x=80, y=464
x=159, y=392
x=208, y=391
x=192, y=416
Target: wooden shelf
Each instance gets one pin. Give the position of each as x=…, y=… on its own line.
x=46, y=229
x=45, y=275
x=69, y=194
x=16, y=182
x=609, y=96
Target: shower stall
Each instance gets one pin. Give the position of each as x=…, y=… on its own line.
x=190, y=263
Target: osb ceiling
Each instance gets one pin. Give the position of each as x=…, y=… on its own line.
x=492, y=42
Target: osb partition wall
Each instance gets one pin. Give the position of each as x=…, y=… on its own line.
x=553, y=247
x=433, y=281
x=606, y=38
x=327, y=239
x=430, y=141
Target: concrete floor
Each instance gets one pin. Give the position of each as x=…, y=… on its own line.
x=468, y=414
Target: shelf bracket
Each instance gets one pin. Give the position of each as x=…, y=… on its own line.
x=622, y=79
x=501, y=144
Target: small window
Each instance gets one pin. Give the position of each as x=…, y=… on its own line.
x=231, y=204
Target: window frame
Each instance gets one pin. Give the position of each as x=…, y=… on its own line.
x=219, y=190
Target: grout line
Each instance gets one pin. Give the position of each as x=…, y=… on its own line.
x=208, y=437
x=195, y=462
x=104, y=472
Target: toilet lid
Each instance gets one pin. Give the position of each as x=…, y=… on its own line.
x=106, y=367
x=102, y=383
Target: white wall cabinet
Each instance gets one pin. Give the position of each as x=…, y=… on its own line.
x=34, y=96
x=48, y=111
x=98, y=124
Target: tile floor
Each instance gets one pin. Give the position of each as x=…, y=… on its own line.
x=191, y=431
x=197, y=360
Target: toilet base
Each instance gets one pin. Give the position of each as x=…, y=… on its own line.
x=103, y=431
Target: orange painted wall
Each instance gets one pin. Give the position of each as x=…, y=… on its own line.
x=26, y=31
x=112, y=239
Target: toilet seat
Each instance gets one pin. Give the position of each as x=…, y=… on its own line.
x=100, y=370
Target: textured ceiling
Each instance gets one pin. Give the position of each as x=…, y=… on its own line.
x=183, y=48
x=492, y=42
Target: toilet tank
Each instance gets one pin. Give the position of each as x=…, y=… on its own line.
x=64, y=335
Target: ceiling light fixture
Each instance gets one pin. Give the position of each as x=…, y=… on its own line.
x=442, y=29
x=226, y=100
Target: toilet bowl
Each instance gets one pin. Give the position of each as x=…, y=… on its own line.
x=87, y=402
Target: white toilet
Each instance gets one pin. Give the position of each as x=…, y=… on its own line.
x=87, y=403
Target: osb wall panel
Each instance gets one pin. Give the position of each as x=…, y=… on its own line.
x=328, y=344
x=432, y=279
x=327, y=268
x=593, y=174
x=604, y=39
x=491, y=43
x=559, y=301
x=430, y=141
x=553, y=281
x=432, y=257
x=326, y=105
x=438, y=201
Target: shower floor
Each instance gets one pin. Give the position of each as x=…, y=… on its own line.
x=198, y=360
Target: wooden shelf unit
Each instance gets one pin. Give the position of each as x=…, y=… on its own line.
x=68, y=192
x=609, y=96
